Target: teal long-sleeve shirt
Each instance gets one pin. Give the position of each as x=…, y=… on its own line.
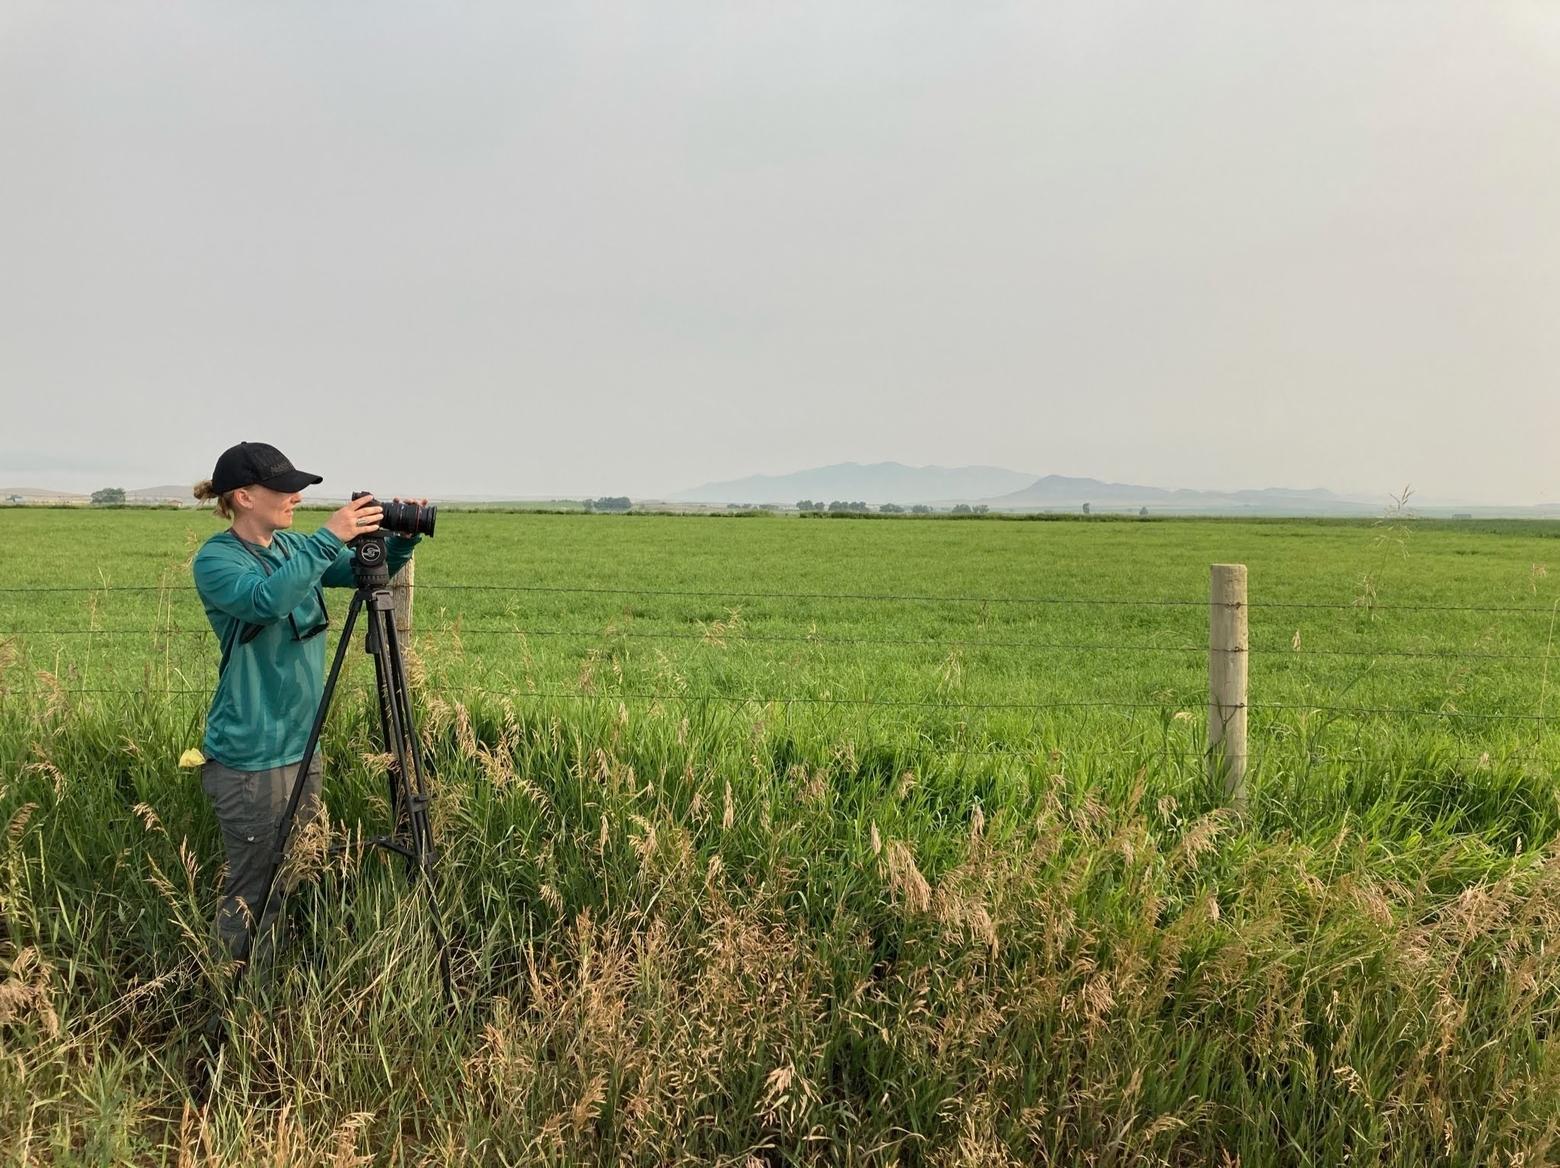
x=269, y=688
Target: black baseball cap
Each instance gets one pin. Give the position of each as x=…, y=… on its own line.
x=256, y=462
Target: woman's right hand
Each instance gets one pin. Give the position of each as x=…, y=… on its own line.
x=359, y=517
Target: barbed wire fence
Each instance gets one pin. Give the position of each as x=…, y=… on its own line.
x=1228, y=702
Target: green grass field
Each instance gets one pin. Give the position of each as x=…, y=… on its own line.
x=774, y=841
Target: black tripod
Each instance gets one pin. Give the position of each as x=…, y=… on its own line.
x=411, y=835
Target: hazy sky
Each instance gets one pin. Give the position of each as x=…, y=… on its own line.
x=627, y=248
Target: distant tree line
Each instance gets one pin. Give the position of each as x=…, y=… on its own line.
x=837, y=506
x=858, y=507
x=609, y=503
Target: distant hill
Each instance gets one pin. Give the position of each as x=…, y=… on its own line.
x=179, y=493
x=41, y=494
x=1060, y=493
x=881, y=482
x=166, y=494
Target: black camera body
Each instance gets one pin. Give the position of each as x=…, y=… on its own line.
x=369, y=562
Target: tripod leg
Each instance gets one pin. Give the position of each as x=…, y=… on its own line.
x=393, y=715
x=413, y=796
x=416, y=772
x=387, y=729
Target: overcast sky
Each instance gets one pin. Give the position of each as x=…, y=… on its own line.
x=524, y=248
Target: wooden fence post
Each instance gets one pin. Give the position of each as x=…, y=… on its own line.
x=1227, y=652
x=401, y=585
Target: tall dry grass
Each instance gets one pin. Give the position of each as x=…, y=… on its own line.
x=680, y=946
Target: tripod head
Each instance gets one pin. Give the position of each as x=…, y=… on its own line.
x=370, y=565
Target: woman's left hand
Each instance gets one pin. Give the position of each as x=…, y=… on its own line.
x=418, y=502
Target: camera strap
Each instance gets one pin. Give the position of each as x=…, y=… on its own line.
x=246, y=631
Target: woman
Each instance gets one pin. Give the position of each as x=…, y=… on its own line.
x=263, y=589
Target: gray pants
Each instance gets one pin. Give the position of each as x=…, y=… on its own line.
x=249, y=807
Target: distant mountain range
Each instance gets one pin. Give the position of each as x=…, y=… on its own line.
x=1008, y=490
x=1058, y=492
x=1000, y=489
x=882, y=482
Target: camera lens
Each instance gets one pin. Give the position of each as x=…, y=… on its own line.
x=408, y=518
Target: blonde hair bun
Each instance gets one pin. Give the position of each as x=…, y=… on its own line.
x=205, y=492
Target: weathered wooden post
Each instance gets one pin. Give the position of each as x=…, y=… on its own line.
x=401, y=585
x=1227, y=651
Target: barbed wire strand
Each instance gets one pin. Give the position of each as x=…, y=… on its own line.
x=706, y=594
x=727, y=640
